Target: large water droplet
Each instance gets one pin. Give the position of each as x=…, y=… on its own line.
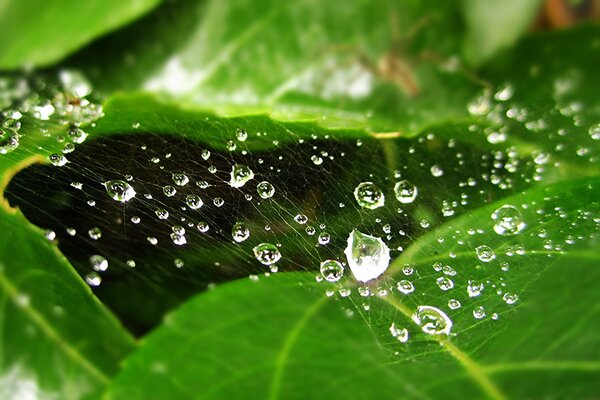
x=267, y=253
x=508, y=220
x=240, y=174
x=368, y=256
x=432, y=321
x=405, y=191
x=369, y=196
x=9, y=140
x=332, y=270
x=119, y=190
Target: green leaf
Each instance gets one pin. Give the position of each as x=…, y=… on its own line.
x=546, y=336
x=41, y=33
x=56, y=338
x=494, y=25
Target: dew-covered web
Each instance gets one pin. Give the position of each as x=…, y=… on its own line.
x=155, y=218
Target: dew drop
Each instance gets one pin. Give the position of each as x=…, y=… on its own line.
x=399, y=333
x=77, y=135
x=218, y=201
x=161, y=213
x=508, y=221
x=9, y=140
x=510, y=298
x=485, y=253
x=369, y=196
x=202, y=226
x=95, y=233
x=444, y=283
x=479, y=312
x=265, y=190
x=432, y=321
x=405, y=286
x=332, y=270
x=180, y=179
x=367, y=256
x=93, y=279
x=58, y=160
x=241, y=135
x=169, y=191
x=240, y=232
x=194, y=201
x=240, y=174
x=267, y=253
x=98, y=263
x=405, y=191
x=301, y=219
x=454, y=304
x=474, y=288
x=119, y=190
x=324, y=238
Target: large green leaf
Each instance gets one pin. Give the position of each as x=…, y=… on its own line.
x=38, y=33
x=56, y=339
x=542, y=345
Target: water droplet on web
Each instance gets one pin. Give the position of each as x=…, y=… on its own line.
x=218, y=201
x=369, y=196
x=202, y=184
x=267, y=253
x=508, y=220
x=231, y=146
x=58, y=160
x=399, y=333
x=119, y=190
x=98, y=263
x=194, y=201
x=202, y=226
x=205, y=154
x=444, y=283
x=405, y=191
x=169, y=191
x=407, y=269
x=332, y=270
x=241, y=135
x=368, y=256
x=485, y=253
x=301, y=219
x=316, y=160
x=453, y=304
x=265, y=190
x=479, y=312
x=437, y=171
x=95, y=233
x=68, y=148
x=240, y=232
x=49, y=234
x=510, y=298
x=432, y=321
x=405, y=286
x=180, y=179
x=77, y=135
x=178, y=239
x=93, y=279
x=324, y=238
x=9, y=140
x=161, y=213
x=240, y=174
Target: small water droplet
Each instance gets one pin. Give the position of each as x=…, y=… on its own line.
x=98, y=263
x=193, y=201
x=332, y=270
x=180, y=179
x=265, y=190
x=437, y=171
x=399, y=333
x=95, y=233
x=485, y=253
x=267, y=253
x=231, y=146
x=241, y=135
x=479, y=312
x=510, y=298
x=77, y=135
x=240, y=174
x=161, y=213
x=58, y=160
x=474, y=288
x=301, y=219
x=93, y=279
x=405, y=286
x=119, y=190
x=368, y=256
x=453, y=304
x=432, y=321
x=218, y=201
x=202, y=226
x=169, y=191
x=9, y=140
x=324, y=238
x=444, y=283
x=369, y=196
x=240, y=232
x=405, y=191
x=508, y=220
